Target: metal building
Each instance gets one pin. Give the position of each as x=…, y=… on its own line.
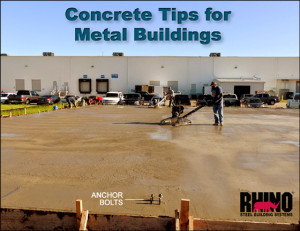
x=93, y=75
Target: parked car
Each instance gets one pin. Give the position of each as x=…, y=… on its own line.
x=245, y=96
x=24, y=96
x=48, y=99
x=295, y=102
x=132, y=99
x=231, y=100
x=182, y=100
x=177, y=92
x=4, y=97
x=113, y=97
x=253, y=102
x=267, y=99
x=204, y=100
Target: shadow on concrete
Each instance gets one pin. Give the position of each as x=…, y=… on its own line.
x=144, y=123
x=141, y=123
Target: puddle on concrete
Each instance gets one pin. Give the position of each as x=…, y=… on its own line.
x=5, y=150
x=161, y=134
x=290, y=142
x=10, y=135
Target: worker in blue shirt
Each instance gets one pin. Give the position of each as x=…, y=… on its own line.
x=217, y=95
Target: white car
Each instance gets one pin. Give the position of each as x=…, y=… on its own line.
x=4, y=97
x=231, y=100
x=113, y=97
x=295, y=102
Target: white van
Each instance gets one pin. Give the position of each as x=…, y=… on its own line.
x=113, y=97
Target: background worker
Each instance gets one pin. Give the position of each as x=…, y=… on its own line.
x=70, y=101
x=170, y=96
x=99, y=99
x=217, y=95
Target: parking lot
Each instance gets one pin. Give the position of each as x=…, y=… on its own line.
x=51, y=159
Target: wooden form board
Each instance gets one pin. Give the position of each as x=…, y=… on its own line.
x=203, y=224
x=78, y=212
x=184, y=214
x=84, y=219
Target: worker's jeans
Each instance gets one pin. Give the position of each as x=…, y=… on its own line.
x=171, y=100
x=218, y=113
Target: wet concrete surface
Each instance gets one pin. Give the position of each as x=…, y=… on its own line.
x=51, y=160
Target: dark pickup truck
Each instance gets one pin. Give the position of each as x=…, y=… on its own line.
x=24, y=96
x=145, y=95
x=267, y=99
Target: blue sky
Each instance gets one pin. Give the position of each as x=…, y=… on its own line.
x=254, y=29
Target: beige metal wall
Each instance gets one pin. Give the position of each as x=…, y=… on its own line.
x=188, y=71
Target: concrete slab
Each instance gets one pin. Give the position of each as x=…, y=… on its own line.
x=61, y=156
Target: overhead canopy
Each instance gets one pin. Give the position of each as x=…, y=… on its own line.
x=235, y=80
x=240, y=86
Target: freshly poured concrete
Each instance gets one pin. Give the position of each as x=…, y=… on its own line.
x=51, y=159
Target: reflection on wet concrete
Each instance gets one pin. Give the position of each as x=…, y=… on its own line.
x=290, y=142
x=10, y=135
x=161, y=134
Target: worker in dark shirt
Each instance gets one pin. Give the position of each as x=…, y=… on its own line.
x=217, y=95
x=170, y=96
x=70, y=101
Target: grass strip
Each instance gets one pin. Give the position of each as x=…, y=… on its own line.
x=30, y=109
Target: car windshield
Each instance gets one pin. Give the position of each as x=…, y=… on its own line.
x=229, y=96
x=297, y=97
x=4, y=95
x=112, y=95
x=131, y=96
x=248, y=95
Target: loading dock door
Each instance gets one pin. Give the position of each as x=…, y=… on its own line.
x=173, y=85
x=85, y=86
x=239, y=90
x=102, y=86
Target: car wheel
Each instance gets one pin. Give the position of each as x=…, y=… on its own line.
x=6, y=102
x=272, y=102
x=27, y=101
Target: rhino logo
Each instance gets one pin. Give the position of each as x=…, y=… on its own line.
x=266, y=206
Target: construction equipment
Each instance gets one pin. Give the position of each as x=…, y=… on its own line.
x=176, y=119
